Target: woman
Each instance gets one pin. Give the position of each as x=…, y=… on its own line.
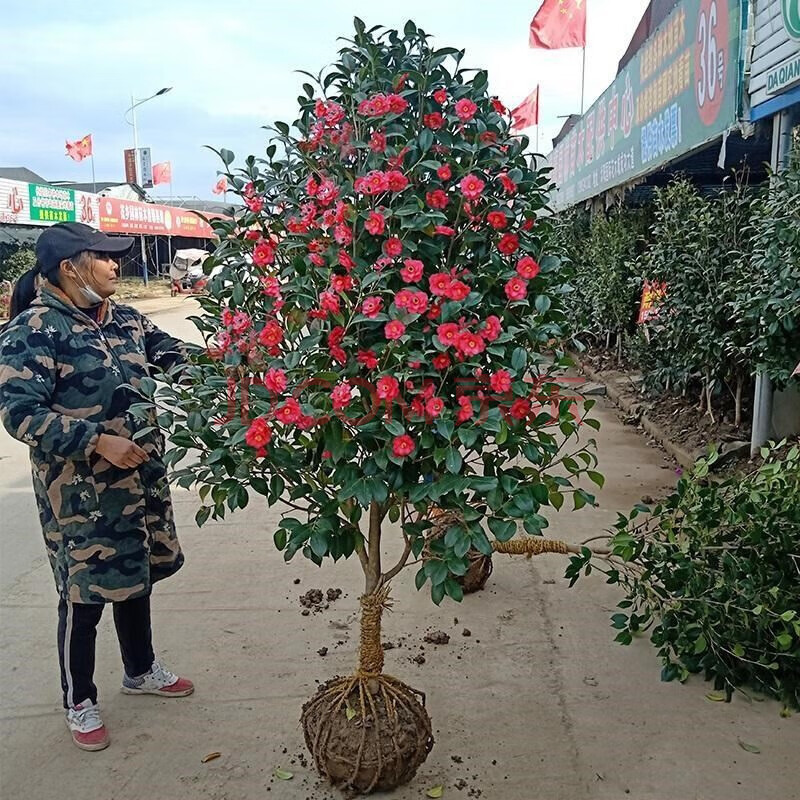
x=103, y=498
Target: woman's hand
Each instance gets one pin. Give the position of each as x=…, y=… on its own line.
x=121, y=452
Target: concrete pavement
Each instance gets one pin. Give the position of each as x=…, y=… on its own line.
x=537, y=702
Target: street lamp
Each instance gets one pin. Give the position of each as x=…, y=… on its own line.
x=137, y=160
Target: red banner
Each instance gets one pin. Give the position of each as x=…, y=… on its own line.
x=129, y=216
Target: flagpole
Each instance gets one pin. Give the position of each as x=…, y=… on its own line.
x=583, y=77
x=94, y=182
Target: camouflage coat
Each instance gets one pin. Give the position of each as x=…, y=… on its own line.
x=109, y=531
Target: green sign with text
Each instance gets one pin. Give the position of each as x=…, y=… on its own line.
x=679, y=91
x=51, y=203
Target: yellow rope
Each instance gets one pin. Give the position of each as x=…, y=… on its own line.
x=532, y=546
x=370, y=651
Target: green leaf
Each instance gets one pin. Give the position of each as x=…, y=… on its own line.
x=503, y=529
x=715, y=697
x=751, y=748
x=435, y=792
x=282, y=774
x=700, y=645
x=453, y=460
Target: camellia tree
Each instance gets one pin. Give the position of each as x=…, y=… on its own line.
x=383, y=353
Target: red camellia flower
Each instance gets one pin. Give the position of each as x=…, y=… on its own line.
x=492, y=328
x=465, y=109
x=508, y=244
x=500, y=381
x=271, y=334
x=341, y=395
x=445, y=172
x=252, y=236
x=367, y=358
x=440, y=283
x=311, y=186
x=375, y=224
x=255, y=204
x=263, y=254
x=317, y=259
x=289, y=412
x=445, y=230
x=527, y=268
x=371, y=306
x=327, y=192
x=241, y=322
x=387, y=388
x=435, y=310
x=412, y=270
x=434, y=406
x=403, y=298
x=498, y=106
x=346, y=260
x=516, y=289
x=418, y=303
x=497, y=219
x=529, y=223
x=470, y=344
x=465, y=412
x=328, y=301
x=275, y=380
x=272, y=287
x=259, y=433
x=394, y=329
x=437, y=199
x=434, y=121
x=338, y=355
x=472, y=187
x=396, y=180
x=440, y=96
x=402, y=446
x=441, y=361
x=336, y=335
x=343, y=234
x=393, y=247
x=508, y=184
x=448, y=333
x=341, y=283
x=457, y=290
x=377, y=142
x=373, y=182
x=488, y=137
x=520, y=408
x=397, y=104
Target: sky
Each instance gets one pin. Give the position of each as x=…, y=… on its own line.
x=70, y=68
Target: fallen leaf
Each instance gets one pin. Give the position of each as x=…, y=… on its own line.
x=435, y=791
x=786, y=712
x=283, y=774
x=209, y=757
x=349, y=711
x=751, y=748
x=716, y=697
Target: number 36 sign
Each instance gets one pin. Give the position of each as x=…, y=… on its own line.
x=711, y=59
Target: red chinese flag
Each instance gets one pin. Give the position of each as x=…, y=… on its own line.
x=80, y=149
x=559, y=23
x=527, y=112
x=220, y=186
x=162, y=173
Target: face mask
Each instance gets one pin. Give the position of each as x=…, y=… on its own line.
x=88, y=294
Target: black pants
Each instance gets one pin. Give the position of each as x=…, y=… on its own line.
x=77, y=632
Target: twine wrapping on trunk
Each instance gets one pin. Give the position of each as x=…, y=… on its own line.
x=532, y=546
x=370, y=649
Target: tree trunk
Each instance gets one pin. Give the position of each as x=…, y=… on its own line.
x=370, y=648
x=739, y=389
x=709, y=387
x=373, y=566
x=619, y=347
x=608, y=340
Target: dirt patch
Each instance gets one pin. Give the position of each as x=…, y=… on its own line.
x=437, y=637
x=315, y=600
x=134, y=289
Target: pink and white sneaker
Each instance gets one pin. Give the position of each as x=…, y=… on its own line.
x=158, y=680
x=88, y=731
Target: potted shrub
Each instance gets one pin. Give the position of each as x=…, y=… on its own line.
x=384, y=334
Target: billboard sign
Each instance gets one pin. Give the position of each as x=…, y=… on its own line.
x=678, y=92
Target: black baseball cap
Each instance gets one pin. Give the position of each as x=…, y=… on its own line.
x=67, y=239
